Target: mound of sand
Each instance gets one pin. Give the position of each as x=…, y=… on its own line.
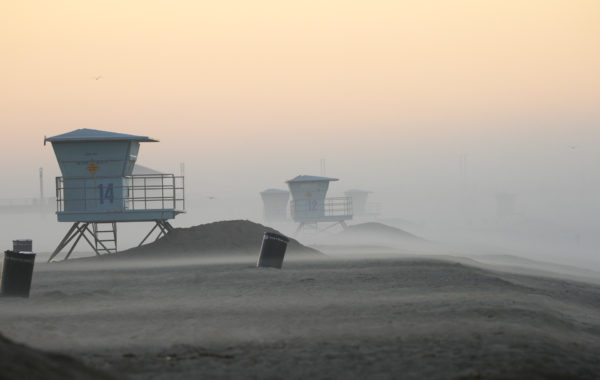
x=372, y=234
x=21, y=362
x=378, y=230
x=218, y=238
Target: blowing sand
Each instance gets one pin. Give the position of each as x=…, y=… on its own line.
x=390, y=318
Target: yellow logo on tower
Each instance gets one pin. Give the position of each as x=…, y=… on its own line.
x=92, y=168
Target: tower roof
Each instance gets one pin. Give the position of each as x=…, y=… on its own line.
x=86, y=134
x=143, y=170
x=311, y=178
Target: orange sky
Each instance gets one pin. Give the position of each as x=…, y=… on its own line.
x=222, y=78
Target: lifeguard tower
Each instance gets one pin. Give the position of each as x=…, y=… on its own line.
x=98, y=189
x=361, y=206
x=309, y=205
x=275, y=202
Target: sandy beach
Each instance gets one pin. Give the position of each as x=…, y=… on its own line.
x=318, y=318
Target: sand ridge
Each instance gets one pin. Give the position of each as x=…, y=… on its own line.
x=377, y=229
x=371, y=234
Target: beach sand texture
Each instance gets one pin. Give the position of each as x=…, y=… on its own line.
x=388, y=318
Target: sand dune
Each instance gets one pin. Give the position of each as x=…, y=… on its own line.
x=394, y=318
x=375, y=229
x=213, y=239
x=372, y=234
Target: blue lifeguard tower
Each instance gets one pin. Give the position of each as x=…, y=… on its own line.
x=98, y=189
x=309, y=205
x=275, y=202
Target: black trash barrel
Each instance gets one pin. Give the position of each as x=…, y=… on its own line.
x=22, y=245
x=17, y=270
x=272, y=250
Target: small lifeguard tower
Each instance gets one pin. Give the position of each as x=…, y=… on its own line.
x=309, y=205
x=275, y=202
x=360, y=204
x=98, y=189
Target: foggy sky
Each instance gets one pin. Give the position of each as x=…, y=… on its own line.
x=390, y=93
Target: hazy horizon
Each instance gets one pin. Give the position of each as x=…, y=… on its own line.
x=390, y=93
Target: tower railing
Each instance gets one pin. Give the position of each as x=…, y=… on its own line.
x=338, y=207
x=136, y=192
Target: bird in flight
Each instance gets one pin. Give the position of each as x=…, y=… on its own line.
x=98, y=77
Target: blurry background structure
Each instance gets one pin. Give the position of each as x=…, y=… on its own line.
x=275, y=204
x=309, y=205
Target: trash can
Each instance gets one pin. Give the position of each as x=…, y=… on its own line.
x=22, y=245
x=17, y=270
x=272, y=250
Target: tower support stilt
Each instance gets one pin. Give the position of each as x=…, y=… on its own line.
x=314, y=226
x=101, y=237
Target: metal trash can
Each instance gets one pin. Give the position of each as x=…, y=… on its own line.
x=22, y=245
x=272, y=250
x=17, y=270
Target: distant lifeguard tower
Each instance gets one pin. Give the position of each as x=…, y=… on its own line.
x=98, y=189
x=360, y=204
x=275, y=202
x=309, y=205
